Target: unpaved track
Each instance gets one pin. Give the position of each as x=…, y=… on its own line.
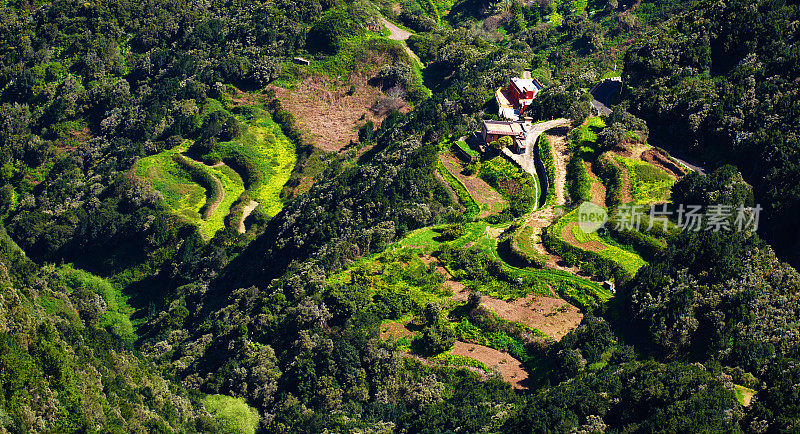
x=245, y=213
x=558, y=148
x=526, y=160
x=398, y=34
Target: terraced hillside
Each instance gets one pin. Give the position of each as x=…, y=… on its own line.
x=253, y=169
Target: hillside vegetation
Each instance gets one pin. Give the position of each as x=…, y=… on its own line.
x=137, y=293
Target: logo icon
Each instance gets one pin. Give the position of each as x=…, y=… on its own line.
x=591, y=217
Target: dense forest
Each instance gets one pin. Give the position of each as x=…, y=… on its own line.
x=180, y=250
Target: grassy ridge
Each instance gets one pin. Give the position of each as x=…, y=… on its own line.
x=183, y=195
x=648, y=182
x=267, y=153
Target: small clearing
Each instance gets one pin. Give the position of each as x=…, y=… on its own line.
x=489, y=200
x=326, y=112
x=245, y=213
x=394, y=330
x=510, y=368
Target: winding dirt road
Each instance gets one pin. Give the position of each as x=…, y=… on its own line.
x=398, y=34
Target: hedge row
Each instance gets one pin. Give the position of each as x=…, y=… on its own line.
x=611, y=174
x=516, y=256
x=526, y=259
x=472, y=208
x=588, y=261
x=546, y=154
x=579, y=184
x=646, y=245
x=202, y=176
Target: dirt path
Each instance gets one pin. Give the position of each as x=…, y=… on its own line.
x=526, y=160
x=558, y=148
x=245, y=213
x=510, y=368
x=482, y=192
x=398, y=34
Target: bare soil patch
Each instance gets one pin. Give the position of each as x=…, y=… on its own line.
x=566, y=233
x=394, y=330
x=245, y=213
x=460, y=291
x=510, y=368
x=481, y=192
x=659, y=159
x=550, y=315
x=325, y=111
x=598, y=189
x=558, y=146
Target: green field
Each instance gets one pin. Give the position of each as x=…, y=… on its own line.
x=183, y=195
x=272, y=153
x=629, y=261
x=262, y=149
x=648, y=183
x=585, y=138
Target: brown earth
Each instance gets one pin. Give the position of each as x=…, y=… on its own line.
x=660, y=159
x=394, y=330
x=566, y=234
x=550, y=315
x=598, y=189
x=558, y=146
x=481, y=192
x=325, y=112
x=510, y=368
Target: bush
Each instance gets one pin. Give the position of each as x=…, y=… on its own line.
x=546, y=154
x=232, y=415
x=435, y=339
x=579, y=185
